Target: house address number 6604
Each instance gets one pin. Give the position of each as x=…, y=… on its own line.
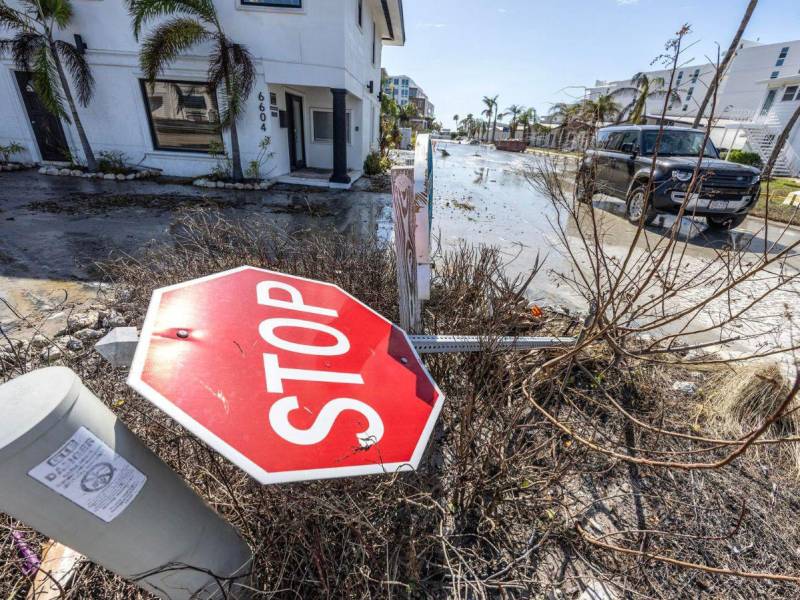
x=262, y=111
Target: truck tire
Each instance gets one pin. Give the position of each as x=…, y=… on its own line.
x=635, y=204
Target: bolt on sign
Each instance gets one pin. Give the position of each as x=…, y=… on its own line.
x=290, y=379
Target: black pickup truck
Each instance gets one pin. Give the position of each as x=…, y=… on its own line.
x=620, y=162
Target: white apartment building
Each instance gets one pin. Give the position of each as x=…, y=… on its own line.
x=756, y=97
x=318, y=65
x=405, y=90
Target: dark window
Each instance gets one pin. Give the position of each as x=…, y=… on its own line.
x=774, y=74
x=627, y=137
x=278, y=3
x=678, y=143
x=323, y=125
x=183, y=115
x=768, y=102
x=374, y=41
x=788, y=95
x=360, y=12
x=614, y=140
x=782, y=56
x=602, y=139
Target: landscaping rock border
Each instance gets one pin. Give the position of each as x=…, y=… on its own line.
x=15, y=166
x=206, y=183
x=143, y=174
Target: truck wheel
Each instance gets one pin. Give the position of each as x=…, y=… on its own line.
x=725, y=222
x=635, y=205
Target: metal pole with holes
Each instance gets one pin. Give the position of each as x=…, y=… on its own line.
x=72, y=471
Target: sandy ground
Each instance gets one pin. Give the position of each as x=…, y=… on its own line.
x=53, y=230
x=483, y=195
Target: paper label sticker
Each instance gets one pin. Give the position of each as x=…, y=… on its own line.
x=90, y=474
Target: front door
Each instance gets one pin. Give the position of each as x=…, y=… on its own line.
x=297, y=144
x=46, y=126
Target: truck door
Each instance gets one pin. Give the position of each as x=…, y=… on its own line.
x=621, y=164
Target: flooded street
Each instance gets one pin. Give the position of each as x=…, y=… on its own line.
x=54, y=230
x=483, y=196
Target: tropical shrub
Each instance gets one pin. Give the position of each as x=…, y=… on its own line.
x=112, y=161
x=263, y=157
x=376, y=164
x=9, y=150
x=745, y=158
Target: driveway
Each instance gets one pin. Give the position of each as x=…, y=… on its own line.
x=54, y=229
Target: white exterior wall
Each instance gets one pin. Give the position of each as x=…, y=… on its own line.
x=745, y=85
x=314, y=49
x=690, y=91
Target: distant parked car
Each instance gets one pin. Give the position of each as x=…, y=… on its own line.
x=620, y=164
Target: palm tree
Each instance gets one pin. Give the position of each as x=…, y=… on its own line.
x=488, y=112
x=455, y=118
x=514, y=111
x=527, y=118
x=565, y=112
x=407, y=113
x=568, y=115
x=230, y=68
x=469, y=125
x=602, y=110
x=35, y=50
x=725, y=62
x=491, y=105
x=390, y=124
x=643, y=88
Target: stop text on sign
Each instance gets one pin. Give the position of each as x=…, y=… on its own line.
x=275, y=375
x=289, y=378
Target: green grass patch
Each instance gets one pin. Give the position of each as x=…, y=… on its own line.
x=779, y=188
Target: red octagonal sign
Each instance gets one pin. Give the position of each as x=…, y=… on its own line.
x=291, y=379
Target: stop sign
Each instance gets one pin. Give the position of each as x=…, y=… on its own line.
x=291, y=379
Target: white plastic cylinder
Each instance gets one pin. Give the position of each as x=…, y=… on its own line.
x=71, y=470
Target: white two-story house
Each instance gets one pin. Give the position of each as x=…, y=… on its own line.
x=756, y=98
x=318, y=64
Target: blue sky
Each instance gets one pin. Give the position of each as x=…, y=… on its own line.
x=530, y=51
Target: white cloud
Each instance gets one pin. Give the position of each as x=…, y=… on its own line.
x=432, y=25
x=626, y=2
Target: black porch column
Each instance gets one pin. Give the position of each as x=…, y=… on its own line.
x=339, y=137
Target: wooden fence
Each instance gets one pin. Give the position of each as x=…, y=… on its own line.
x=412, y=208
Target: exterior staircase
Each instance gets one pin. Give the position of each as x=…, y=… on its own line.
x=763, y=131
x=761, y=139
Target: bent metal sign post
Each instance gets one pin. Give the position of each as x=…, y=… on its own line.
x=291, y=379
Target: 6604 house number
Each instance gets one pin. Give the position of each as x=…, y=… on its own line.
x=262, y=111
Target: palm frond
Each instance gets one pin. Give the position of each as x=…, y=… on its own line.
x=58, y=10
x=624, y=112
x=144, y=11
x=46, y=82
x=244, y=68
x=79, y=70
x=12, y=19
x=167, y=42
x=25, y=48
x=623, y=90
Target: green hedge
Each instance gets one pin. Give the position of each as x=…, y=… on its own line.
x=745, y=158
